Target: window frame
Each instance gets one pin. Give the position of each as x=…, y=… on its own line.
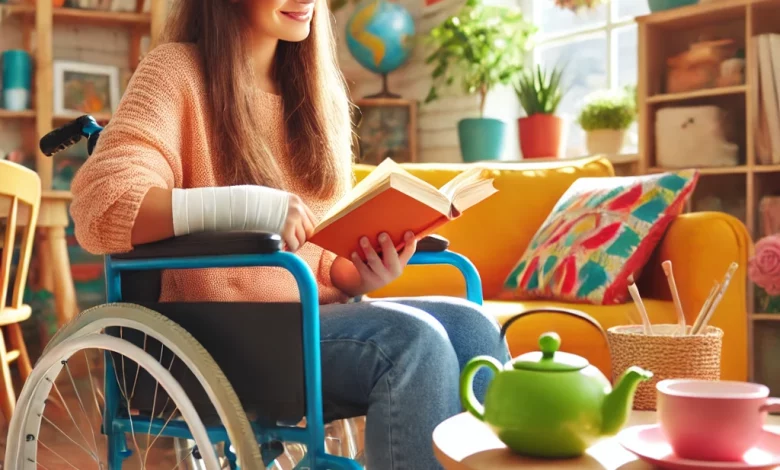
x=611, y=27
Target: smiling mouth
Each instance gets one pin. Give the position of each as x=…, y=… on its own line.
x=299, y=15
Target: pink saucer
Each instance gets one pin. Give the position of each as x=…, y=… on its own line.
x=649, y=444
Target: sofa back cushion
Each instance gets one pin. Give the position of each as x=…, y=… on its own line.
x=496, y=232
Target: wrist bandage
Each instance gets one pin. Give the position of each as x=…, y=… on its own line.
x=229, y=208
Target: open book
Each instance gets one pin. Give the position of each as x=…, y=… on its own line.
x=392, y=200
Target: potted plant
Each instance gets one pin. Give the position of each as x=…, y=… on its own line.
x=605, y=117
x=540, y=93
x=482, y=46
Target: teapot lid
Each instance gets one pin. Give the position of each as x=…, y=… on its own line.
x=549, y=358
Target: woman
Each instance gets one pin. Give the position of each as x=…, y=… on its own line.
x=240, y=121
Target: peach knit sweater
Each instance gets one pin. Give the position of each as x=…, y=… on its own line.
x=160, y=136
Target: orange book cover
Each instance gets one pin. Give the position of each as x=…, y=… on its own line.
x=392, y=200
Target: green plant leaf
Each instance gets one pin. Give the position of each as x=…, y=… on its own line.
x=480, y=47
x=608, y=109
x=540, y=92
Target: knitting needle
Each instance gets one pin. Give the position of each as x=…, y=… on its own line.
x=726, y=280
x=640, y=306
x=705, y=306
x=667, y=265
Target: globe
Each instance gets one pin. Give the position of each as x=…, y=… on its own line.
x=379, y=35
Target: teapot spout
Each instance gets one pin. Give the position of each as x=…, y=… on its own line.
x=617, y=405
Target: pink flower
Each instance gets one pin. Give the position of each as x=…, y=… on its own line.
x=764, y=267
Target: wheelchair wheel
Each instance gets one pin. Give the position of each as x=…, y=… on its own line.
x=28, y=443
x=180, y=346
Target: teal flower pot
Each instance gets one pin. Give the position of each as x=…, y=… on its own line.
x=481, y=139
x=660, y=5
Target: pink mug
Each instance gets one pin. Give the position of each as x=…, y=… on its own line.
x=712, y=420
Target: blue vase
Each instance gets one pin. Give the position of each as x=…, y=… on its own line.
x=660, y=5
x=481, y=139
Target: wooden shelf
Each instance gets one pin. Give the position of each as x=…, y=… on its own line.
x=707, y=92
x=727, y=170
x=765, y=317
x=91, y=17
x=697, y=14
x=26, y=114
x=63, y=118
x=766, y=168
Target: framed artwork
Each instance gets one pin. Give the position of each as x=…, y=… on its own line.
x=81, y=88
x=386, y=128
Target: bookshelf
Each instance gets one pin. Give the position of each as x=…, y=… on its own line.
x=37, y=19
x=668, y=33
x=73, y=276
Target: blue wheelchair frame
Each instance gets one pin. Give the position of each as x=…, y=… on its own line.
x=313, y=434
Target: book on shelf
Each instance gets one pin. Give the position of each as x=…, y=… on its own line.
x=392, y=200
x=767, y=61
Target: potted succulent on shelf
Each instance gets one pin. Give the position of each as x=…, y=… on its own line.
x=605, y=117
x=482, y=46
x=541, y=130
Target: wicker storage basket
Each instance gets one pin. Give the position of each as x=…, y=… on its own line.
x=666, y=356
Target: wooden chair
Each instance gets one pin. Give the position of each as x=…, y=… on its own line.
x=20, y=199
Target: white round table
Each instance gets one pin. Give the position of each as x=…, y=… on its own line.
x=465, y=443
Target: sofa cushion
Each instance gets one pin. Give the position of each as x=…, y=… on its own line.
x=577, y=336
x=601, y=232
x=494, y=233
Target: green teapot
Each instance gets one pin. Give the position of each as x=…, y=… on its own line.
x=550, y=403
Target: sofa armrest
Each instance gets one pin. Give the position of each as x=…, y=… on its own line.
x=701, y=246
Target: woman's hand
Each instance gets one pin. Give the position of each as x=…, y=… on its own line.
x=299, y=224
x=356, y=277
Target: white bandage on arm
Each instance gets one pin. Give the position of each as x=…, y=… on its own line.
x=229, y=208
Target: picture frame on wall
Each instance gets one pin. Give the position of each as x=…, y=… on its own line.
x=386, y=128
x=81, y=88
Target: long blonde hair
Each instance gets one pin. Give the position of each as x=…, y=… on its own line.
x=316, y=105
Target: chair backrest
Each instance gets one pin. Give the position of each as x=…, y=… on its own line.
x=20, y=200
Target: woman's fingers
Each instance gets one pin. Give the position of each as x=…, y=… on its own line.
x=300, y=235
x=373, y=260
x=365, y=272
x=309, y=221
x=389, y=255
x=410, y=247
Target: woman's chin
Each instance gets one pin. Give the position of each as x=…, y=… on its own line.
x=295, y=34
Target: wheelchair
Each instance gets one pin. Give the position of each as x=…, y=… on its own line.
x=237, y=413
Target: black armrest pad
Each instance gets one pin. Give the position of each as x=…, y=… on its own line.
x=207, y=244
x=433, y=243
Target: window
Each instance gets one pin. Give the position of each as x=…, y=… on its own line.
x=598, y=50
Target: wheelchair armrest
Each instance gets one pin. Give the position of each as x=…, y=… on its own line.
x=432, y=244
x=236, y=243
x=207, y=244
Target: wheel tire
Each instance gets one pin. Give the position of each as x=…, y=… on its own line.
x=190, y=351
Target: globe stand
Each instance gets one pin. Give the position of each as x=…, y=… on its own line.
x=385, y=93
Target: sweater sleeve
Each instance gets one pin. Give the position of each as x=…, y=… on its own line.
x=137, y=150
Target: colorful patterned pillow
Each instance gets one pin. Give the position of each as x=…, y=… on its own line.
x=601, y=231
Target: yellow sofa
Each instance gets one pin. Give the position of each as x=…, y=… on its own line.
x=700, y=246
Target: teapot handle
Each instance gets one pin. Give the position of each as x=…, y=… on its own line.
x=566, y=311
x=467, y=396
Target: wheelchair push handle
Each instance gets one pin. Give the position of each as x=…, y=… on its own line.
x=70, y=134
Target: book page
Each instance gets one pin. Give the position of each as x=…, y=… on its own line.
x=769, y=93
x=473, y=194
x=373, y=180
x=774, y=52
x=463, y=180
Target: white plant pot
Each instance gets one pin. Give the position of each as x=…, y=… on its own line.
x=605, y=141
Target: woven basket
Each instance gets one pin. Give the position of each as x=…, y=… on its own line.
x=666, y=356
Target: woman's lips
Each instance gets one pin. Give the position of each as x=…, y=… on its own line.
x=298, y=15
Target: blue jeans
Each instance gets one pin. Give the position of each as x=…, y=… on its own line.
x=398, y=361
